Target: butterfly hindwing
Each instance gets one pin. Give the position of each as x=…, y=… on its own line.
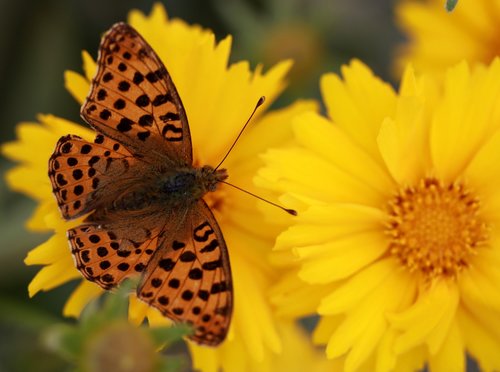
x=106, y=256
x=79, y=169
x=134, y=101
x=190, y=278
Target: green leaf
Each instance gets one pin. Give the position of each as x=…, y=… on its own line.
x=166, y=336
x=102, y=311
x=24, y=315
x=450, y=5
x=64, y=340
x=173, y=363
x=116, y=303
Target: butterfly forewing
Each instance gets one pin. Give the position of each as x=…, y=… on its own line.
x=79, y=170
x=133, y=100
x=191, y=278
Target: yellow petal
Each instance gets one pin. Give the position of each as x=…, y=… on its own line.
x=89, y=66
x=434, y=308
x=342, y=213
x=483, y=175
x=37, y=220
x=155, y=318
x=354, y=326
x=451, y=355
x=480, y=342
x=356, y=288
x=204, y=358
x=386, y=358
x=233, y=356
x=403, y=141
x=53, y=275
x=157, y=19
x=320, y=136
x=77, y=85
x=438, y=40
x=365, y=323
x=200, y=62
x=466, y=119
x=480, y=286
x=81, y=296
x=326, y=326
x=293, y=299
x=34, y=142
x=39, y=187
x=442, y=331
x=300, y=171
x=35, y=145
x=413, y=360
x=408, y=86
x=362, y=349
x=327, y=222
x=359, y=105
x=60, y=127
x=353, y=254
x=487, y=275
x=53, y=250
x=252, y=317
x=298, y=355
x=270, y=130
x=336, y=247
x=137, y=310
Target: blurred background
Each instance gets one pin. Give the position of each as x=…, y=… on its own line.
x=39, y=40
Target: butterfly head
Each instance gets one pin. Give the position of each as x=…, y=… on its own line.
x=211, y=177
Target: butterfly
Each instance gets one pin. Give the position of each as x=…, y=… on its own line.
x=141, y=194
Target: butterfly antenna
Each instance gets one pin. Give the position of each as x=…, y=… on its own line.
x=259, y=103
x=293, y=212
x=289, y=211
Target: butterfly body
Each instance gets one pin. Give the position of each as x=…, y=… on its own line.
x=176, y=188
x=191, y=183
x=141, y=194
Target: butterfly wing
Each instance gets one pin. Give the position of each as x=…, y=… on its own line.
x=80, y=171
x=106, y=255
x=134, y=101
x=189, y=279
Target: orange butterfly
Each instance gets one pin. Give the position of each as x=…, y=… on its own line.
x=142, y=194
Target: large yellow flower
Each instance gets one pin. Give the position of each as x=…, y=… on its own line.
x=397, y=241
x=218, y=99
x=439, y=39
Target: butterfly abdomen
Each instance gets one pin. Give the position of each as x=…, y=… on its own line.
x=135, y=200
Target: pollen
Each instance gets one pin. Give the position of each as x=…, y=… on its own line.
x=435, y=229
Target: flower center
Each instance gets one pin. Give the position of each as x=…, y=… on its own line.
x=435, y=228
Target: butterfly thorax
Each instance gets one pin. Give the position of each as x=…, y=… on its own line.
x=190, y=183
x=175, y=188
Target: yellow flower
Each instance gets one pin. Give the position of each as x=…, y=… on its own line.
x=397, y=241
x=439, y=39
x=218, y=99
